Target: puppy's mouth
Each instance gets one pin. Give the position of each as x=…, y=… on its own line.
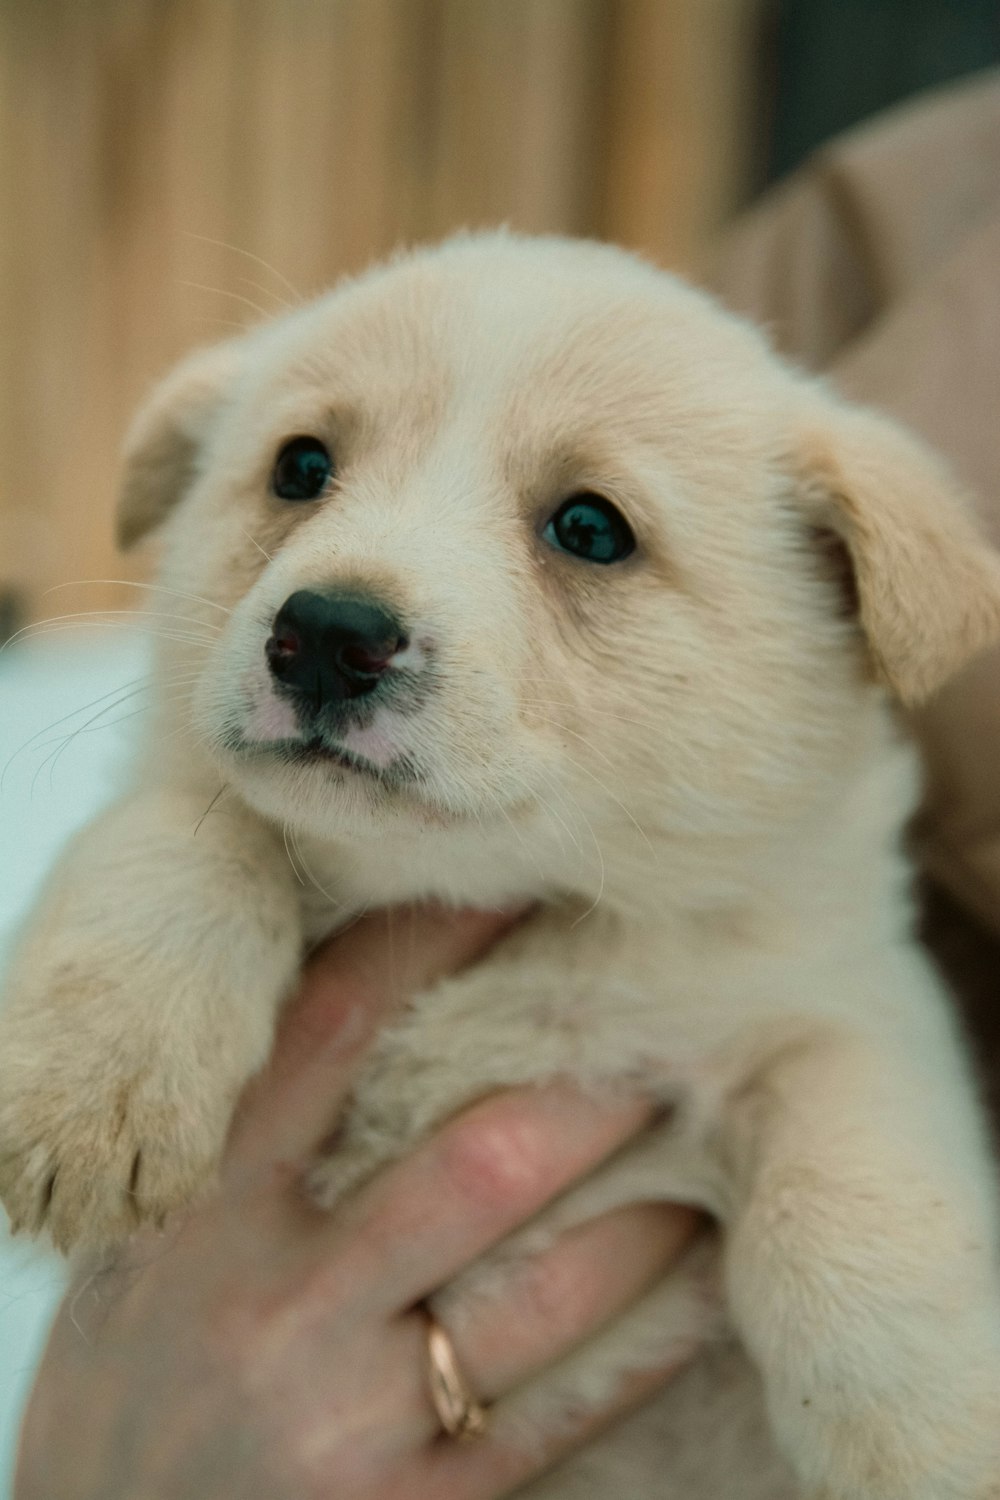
x=317, y=751
x=320, y=752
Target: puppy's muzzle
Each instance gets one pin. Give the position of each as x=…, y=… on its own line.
x=326, y=648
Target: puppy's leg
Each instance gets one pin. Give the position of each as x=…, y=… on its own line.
x=507, y=1021
x=142, y=997
x=862, y=1267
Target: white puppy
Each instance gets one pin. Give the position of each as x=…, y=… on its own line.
x=535, y=576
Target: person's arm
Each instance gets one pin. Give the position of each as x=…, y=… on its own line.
x=263, y=1349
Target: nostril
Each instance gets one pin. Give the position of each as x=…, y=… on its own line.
x=369, y=658
x=282, y=647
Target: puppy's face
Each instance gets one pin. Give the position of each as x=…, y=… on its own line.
x=522, y=535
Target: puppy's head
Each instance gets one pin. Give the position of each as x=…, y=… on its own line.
x=526, y=535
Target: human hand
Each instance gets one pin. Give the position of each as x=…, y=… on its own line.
x=262, y=1348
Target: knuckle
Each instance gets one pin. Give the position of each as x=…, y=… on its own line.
x=494, y=1160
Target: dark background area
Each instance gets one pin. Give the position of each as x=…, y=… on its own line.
x=828, y=64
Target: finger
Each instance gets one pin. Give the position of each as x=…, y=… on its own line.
x=349, y=988
x=535, y=1311
x=541, y=1309
x=496, y=1465
x=412, y=1228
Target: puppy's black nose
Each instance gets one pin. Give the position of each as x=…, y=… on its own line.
x=329, y=647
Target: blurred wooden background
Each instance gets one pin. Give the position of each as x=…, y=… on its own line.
x=170, y=169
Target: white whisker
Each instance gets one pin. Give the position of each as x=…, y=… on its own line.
x=158, y=588
x=47, y=628
x=220, y=291
x=238, y=250
x=253, y=539
x=597, y=850
x=178, y=697
x=291, y=860
x=120, y=695
x=52, y=759
x=618, y=803
x=282, y=304
x=116, y=616
x=559, y=819
x=322, y=890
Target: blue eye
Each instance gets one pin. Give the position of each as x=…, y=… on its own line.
x=302, y=470
x=590, y=527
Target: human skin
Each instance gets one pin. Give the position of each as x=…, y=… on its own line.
x=262, y=1348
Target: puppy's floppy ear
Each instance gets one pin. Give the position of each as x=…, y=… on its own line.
x=164, y=441
x=928, y=587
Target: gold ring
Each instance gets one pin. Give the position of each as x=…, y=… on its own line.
x=460, y=1414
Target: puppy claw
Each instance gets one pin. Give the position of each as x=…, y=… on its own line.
x=49, y=1189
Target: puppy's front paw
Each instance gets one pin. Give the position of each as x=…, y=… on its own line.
x=91, y=1154
x=90, y=1164
x=100, y=1130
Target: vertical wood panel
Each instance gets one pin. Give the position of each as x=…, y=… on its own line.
x=516, y=123
x=680, y=142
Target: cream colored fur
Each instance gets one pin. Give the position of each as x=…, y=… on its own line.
x=690, y=759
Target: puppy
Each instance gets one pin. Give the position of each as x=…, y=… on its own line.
x=518, y=572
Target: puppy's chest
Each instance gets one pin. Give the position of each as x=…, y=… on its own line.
x=668, y=1009
x=564, y=1008
x=499, y=1027
x=338, y=881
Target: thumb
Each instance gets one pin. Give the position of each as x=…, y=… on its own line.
x=353, y=985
